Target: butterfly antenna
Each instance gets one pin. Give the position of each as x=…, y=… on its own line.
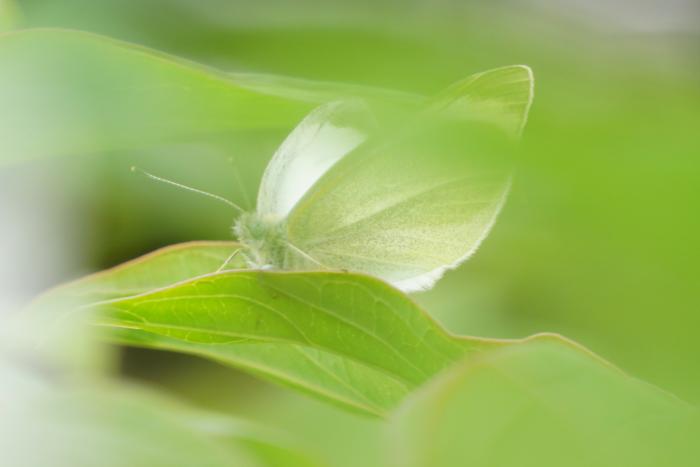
x=188, y=188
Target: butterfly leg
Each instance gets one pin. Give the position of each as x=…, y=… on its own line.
x=303, y=254
x=228, y=260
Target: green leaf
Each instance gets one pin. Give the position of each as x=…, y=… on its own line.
x=161, y=268
x=542, y=403
x=66, y=92
x=349, y=339
x=322, y=91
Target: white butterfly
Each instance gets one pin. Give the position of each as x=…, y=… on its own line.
x=399, y=212
x=405, y=208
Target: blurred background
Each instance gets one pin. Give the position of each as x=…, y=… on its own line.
x=598, y=240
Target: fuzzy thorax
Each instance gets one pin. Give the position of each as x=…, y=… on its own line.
x=264, y=240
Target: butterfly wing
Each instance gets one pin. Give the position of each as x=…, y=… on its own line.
x=501, y=96
x=407, y=210
x=324, y=136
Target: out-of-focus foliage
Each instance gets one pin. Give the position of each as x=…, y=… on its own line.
x=54, y=414
x=9, y=15
x=82, y=99
x=81, y=428
x=543, y=403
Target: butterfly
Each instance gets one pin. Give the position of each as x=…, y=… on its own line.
x=404, y=207
x=406, y=217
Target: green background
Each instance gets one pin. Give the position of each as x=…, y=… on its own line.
x=598, y=240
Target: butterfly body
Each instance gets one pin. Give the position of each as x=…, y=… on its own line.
x=264, y=240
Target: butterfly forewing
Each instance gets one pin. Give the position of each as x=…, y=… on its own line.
x=319, y=141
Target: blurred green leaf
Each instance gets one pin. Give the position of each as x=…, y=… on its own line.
x=119, y=426
x=321, y=91
x=543, y=403
x=346, y=338
x=64, y=92
x=46, y=424
x=267, y=446
x=9, y=15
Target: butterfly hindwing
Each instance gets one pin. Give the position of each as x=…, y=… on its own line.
x=402, y=210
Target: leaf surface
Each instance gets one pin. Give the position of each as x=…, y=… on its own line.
x=542, y=403
x=347, y=338
x=66, y=92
